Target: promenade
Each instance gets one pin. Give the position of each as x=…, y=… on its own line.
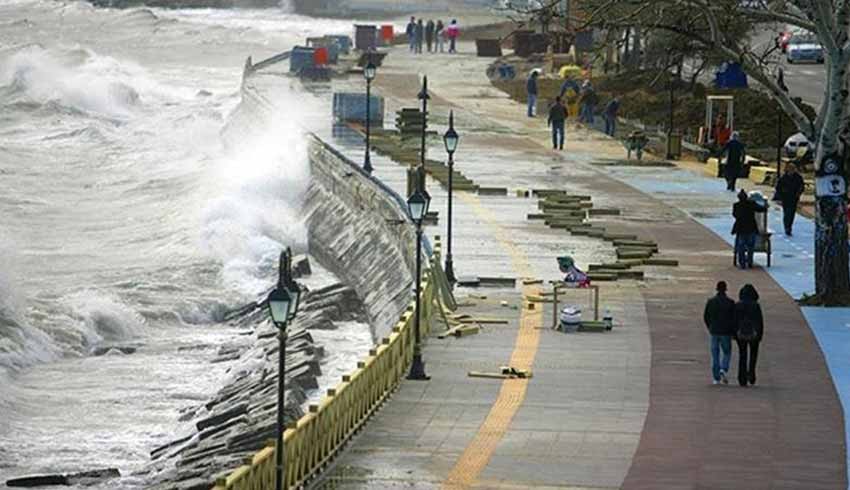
x=630, y=408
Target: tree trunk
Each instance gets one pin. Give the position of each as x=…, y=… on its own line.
x=832, y=271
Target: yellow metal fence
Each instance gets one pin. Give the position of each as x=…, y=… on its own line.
x=315, y=438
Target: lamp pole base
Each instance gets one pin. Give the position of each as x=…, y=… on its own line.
x=450, y=270
x=367, y=163
x=417, y=369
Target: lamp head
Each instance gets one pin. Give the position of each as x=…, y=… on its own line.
x=417, y=206
x=451, y=137
x=280, y=304
x=370, y=71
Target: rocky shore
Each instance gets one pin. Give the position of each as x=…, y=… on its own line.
x=241, y=417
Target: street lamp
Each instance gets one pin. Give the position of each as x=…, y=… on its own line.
x=450, y=139
x=780, y=81
x=369, y=73
x=424, y=97
x=417, y=206
x=283, y=304
x=670, y=155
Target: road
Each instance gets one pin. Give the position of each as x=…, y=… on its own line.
x=806, y=81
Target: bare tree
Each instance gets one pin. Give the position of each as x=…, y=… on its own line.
x=723, y=28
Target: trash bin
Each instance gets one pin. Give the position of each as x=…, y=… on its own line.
x=387, y=34
x=320, y=56
x=674, y=145
x=365, y=37
x=302, y=57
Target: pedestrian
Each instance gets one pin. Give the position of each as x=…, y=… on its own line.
x=420, y=36
x=745, y=229
x=411, y=34
x=452, y=32
x=719, y=317
x=610, y=115
x=557, y=119
x=735, y=152
x=789, y=188
x=531, y=92
x=749, y=333
x=588, y=102
x=439, y=35
x=429, y=34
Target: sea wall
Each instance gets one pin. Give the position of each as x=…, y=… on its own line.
x=358, y=230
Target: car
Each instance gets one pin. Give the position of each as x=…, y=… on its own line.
x=804, y=48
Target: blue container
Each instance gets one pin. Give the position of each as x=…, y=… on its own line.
x=302, y=57
x=349, y=106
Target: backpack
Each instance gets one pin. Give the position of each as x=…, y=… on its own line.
x=746, y=329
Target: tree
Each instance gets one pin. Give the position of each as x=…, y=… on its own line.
x=724, y=28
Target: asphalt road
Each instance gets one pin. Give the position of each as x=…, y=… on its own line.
x=804, y=80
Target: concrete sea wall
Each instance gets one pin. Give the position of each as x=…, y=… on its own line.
x=358, y=230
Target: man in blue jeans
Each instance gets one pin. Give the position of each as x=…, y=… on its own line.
x=745, y=229
x=557, y=119
x=719, y=319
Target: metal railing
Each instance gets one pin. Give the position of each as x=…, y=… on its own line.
x=315, y=439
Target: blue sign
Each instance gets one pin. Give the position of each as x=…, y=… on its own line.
x=730, y=75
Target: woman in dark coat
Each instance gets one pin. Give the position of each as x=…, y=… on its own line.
x=749, y=332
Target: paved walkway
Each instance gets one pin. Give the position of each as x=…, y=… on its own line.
x=590, y=417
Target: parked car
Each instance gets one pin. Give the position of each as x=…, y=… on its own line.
x=804, y=48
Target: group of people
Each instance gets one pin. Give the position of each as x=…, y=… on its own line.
x=432, y=35
x=584, y=96
x=725, y=320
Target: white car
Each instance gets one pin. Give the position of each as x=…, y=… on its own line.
x=804, y=48
x=795, y=143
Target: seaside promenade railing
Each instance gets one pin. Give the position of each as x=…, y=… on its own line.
x=314, y=440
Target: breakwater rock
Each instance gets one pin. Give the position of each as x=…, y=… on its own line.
x=241, y=417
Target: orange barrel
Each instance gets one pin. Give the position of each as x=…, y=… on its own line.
x=320, y=56
x=387, y=33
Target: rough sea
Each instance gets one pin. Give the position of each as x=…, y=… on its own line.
x=129, y=223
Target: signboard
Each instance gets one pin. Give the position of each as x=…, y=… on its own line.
x=830, y=186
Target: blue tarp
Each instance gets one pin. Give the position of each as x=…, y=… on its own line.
x=730, y=75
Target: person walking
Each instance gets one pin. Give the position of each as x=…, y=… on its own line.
x=749, y=333
x=610, y=115
x=420, y=36
x=588, y=103
x=411, y=34
x=557, y=120
x=789, y=188
x=745, y=229
x=453, y=32
x=735, y=152
x=439, y=36
x=531, y=92
x=719, y=317
x=429, y=34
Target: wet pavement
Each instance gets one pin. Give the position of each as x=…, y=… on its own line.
x=592, y=416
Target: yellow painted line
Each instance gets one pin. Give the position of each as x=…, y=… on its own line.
x=480, y=450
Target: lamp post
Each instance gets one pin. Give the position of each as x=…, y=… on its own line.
x=369, y=73
x=780, y=81
x=451, y=140
x=424, y=97
x=283, y=304
x=672, y=109
x=417, y=206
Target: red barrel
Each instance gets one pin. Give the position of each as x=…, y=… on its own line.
x=320, y=56
x=387, y=33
